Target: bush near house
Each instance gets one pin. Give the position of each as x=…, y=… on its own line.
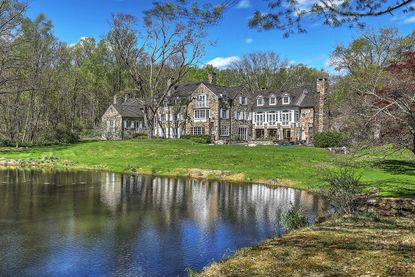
x=329, y=139
x=198, y=138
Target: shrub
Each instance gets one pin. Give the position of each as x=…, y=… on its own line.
x=343, y=190
x=6, y=143
x=197, y=138
x=139, y=136
x=329, y=139
x=293, y=219
x=87, y=133
x=66, y=136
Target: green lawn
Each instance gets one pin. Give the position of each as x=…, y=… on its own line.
x=302, y=167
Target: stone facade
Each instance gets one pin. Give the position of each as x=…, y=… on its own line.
x=208, y=110
x=284, y=117
x=231, y=114
x=112, y=126
x=122, y=120
x=203, y=116
x=321, y=107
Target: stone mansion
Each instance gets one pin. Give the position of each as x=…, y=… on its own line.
x=226, y=114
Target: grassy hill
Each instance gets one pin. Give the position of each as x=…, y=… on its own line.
x=301, y=167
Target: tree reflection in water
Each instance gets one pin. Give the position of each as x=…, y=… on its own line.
x=93, y=223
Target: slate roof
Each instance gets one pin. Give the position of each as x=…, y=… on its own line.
x=185, y=90
x=131, y=108
x=299, y=97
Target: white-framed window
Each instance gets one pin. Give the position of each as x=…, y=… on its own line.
x=197, y=130
x=247, y=116
x=259, y=118
x=224, y=131
x=243, y=133
x=285, y=118
x=202, y=114
x=273, y=100
x=243, y=101
x=260, y=101
x=240, y=115
x=224, y=113
x=285, y=99
x=272, y=118
x=132, y=126
x=202, y=101
x=163, y=117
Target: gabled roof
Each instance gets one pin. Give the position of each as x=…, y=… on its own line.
x=130, y=108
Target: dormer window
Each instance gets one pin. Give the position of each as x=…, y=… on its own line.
x=243, y=101
x=286, y=99
x=260, y=101
x=272, y=100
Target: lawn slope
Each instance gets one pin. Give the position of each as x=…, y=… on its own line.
x=301, y=167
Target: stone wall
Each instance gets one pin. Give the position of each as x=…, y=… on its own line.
x=233, y=122
x=211, y=124
x=114, y=133
x=322, y=104
x=306, y=125
x=389, y=206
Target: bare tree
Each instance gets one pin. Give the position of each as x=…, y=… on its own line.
x=291, y=16
x=372, y=49
x=258, y=70
x=169, y=43
x=11, y=14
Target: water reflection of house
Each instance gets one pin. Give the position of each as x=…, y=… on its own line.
x=111, y=190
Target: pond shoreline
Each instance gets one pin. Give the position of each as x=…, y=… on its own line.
x=350, y=246
x=51, y=163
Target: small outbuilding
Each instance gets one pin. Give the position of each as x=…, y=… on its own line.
x=123, y=118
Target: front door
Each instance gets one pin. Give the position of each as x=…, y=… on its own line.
x=287, y=134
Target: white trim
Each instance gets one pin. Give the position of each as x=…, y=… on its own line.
x=273, y=97
x=262, y=101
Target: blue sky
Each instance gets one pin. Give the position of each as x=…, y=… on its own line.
x=74, y=19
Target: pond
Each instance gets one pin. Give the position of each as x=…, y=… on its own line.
x=105, y=224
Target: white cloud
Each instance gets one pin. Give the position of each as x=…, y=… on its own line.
x=409, y=20
x=249, y=40
x=243, y=4
x=221, y=62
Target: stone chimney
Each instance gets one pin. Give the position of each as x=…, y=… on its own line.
x=212, y=78
x=322, y=104
x=115, y=100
